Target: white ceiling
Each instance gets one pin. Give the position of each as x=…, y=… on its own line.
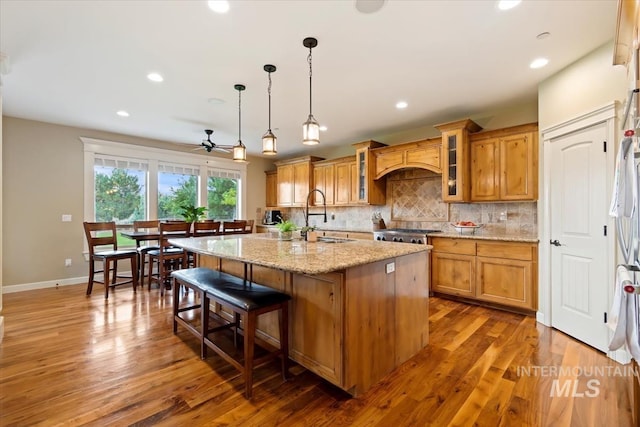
x=78, y=62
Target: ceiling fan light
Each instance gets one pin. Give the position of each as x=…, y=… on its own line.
x=311, y=131
x=269, y=142
x=239, y=152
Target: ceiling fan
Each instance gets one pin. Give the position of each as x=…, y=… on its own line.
x=209, y=145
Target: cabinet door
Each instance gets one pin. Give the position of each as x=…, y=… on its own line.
x=453, y=274
x=285, y=185
x=323, y=177
x=342, y=181
x=316, y=324
x=485, y=175
x=301, y=183
x=271, y=199
x=519, y=167
x=353, y=173
x=505, y=281
x=455, y=185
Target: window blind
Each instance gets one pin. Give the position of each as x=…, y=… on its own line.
x=223, y=173
x=120, y=162
x=179, y=169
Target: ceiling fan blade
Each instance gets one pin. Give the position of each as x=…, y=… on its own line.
x=221, y=150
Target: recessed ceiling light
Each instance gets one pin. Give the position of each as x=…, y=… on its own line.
x=323, y=128
x=543, y=36
x=219, y=6
x=369, y=6
x=122, y=113
x=401, y=105
x=216, y=101
x=508, y=4
x=539, y=63
x=155, y=77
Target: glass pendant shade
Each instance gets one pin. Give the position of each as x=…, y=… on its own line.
x=269, y=142
x=311, y=131
x=239, y=152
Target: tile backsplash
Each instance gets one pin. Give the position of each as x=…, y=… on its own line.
x=414, y=200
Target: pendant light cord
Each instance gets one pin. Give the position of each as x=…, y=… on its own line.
x=310, y=74
x=269, y=91
x=239, y=116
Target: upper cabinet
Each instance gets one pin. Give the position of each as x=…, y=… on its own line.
x=272, y=189
x=504, y=164
x=368, y=189
x=456, y=184
x=294, y=177
x=423, y=154
x=324, y=180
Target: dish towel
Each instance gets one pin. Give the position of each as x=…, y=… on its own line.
x=625, y=315
x=625, y=185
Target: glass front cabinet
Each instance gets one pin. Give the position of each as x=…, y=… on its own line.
x=456, y=184
x=369, y=191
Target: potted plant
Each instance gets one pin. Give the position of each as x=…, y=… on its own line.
x=286, y=229
x=191, y=213
x=306, y=231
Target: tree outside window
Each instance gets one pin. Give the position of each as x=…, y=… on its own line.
x=119, y=194
x=222, y=198
x=174, y=191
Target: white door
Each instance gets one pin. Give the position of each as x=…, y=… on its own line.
x=578, y=213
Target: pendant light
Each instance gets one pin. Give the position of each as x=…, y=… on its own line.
x=310, y=128
x=239, y=150
x=269, y=140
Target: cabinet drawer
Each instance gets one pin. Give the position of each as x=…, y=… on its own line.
x=454, y=246
x=508, y=250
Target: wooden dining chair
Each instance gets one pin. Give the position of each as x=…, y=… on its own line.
x=249, y=227
x=168, y=258
x=143, y=247
x=204, y=228
x=102, y=239
x=234, y=227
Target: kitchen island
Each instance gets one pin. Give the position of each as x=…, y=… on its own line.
x=359, y=308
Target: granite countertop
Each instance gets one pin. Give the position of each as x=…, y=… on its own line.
x=486, y=235
x=297, y=255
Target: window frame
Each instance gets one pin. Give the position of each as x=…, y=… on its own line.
x=153, y=156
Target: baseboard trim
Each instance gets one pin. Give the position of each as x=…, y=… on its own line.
x=42, y=285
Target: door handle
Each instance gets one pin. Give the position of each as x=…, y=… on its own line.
x=555, y=242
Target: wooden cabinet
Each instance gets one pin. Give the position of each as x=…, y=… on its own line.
x=504, y=164
x=456, y=159
x=368, y=189
x=324, y=180
x=294, y=177
x=498, y=272
x=315, y=322
x=271, y=199
x=423, y=154
x=342, y=193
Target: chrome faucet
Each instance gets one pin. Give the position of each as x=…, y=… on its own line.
x=324, y=204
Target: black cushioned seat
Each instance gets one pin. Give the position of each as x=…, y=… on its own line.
x=245, y=299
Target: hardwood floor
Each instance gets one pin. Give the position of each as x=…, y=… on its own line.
x=67, y=359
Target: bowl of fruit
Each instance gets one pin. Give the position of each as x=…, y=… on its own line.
x=466, y=227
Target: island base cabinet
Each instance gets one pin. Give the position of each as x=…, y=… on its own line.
x=351, y=327
x=316, y=324
x=505, y=281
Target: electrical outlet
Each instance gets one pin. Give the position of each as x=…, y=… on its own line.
x=67, y=262
x=391, y=267
x=503, y=216
x=333, y=216
x=66, y=217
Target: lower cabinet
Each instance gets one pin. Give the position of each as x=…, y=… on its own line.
x=498, y=272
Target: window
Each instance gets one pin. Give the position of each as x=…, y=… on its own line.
x=177, y=186
x=222, y=194
x=125, y=182
x=120, y=191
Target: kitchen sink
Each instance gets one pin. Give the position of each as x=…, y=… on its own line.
x=327, y=239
